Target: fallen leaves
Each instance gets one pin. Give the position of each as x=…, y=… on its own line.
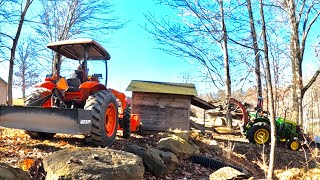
x=26, y=164
x=16, y=148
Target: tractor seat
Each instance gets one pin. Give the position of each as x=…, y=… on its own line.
x=73, y=84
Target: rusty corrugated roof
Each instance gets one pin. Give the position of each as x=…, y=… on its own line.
x=162, y=87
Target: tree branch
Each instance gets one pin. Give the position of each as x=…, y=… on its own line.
x=6, y=35
x=300, y=12
x=305, y=34
x=312, y=80
x=243, y=45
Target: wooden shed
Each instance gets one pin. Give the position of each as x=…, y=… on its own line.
x=162, y=106
x=3, y=91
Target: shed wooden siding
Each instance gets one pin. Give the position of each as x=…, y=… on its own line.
x=162, y=112
x=3, y=92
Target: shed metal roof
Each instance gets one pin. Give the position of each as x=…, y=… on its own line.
x=162, y=87
x=202, y=103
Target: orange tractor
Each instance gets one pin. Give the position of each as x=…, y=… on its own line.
x=76, y=105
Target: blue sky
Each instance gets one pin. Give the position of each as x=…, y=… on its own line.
x=133, y=52
x=134, y=55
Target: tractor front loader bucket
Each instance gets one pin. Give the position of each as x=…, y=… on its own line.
x=50, y=120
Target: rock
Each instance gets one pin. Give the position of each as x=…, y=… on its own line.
x=169, y=159
x=180, y=147
x=227, y=173
x=152, y=160
x=10, y=173
x=216, y=149
x=195, y=147
x=291, y=174
x=93, y=163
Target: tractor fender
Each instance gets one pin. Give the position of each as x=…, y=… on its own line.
x=93, y=86
x=89, y=87
x=46, y=84
x=261, y=119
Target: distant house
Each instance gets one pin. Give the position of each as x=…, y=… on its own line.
x=3, y=91
x=162, y=105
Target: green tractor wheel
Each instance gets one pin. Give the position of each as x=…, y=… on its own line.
x=293, y=144
x=259, y=133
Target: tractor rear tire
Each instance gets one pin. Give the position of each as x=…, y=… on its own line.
x=104, y=121
x=30, y=99
x=293, y=144
x=260, y=133
x=126, y=130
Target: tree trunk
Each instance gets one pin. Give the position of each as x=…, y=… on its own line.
x=296, y=114
x=56, y=66
x=256, y=50
x=270, y=94
x=226, y=64
x=13, y=50
x=24, y=80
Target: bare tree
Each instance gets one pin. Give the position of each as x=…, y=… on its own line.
x=224, y=47
x=246, y=38
x=27, y=73
x=301, y=22
x=255, y=49
x=200, y=37
x=270, y=92
x=13, y=37
x=65, y=19
x=196, y=36
x=185, y=77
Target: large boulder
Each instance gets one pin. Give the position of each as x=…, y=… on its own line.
x=10, y=173
x=170, y=159
x=182, y=148
x=227, y=173
x=152, y=160
x=93, y=163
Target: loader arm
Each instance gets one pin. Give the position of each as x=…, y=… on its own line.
x=122, y=98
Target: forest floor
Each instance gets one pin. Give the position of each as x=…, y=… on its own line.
x=16, y=146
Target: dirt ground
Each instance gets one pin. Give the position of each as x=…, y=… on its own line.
x=15, y=147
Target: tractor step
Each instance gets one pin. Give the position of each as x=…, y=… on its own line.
x=50, y=120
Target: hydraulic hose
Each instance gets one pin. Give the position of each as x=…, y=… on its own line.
x=213, y=163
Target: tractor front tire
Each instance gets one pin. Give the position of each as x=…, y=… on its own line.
x=260, y=133
x=126, y=130
x=293, y=144
x=30, y=100
x=104, y=121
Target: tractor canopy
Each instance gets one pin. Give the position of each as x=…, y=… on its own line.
x=74, y=49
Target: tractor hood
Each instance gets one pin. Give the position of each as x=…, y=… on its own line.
x=75, y=49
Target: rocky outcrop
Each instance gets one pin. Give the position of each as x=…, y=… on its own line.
x=152, y=160
x=10, y=173
x=180, y=147
x=227, y=173
x=93, y=163
x=169, y=159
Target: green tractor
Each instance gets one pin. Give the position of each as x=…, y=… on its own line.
x=256, y=127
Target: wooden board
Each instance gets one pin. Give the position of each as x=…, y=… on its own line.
x=162, y=111
x=202, y=128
